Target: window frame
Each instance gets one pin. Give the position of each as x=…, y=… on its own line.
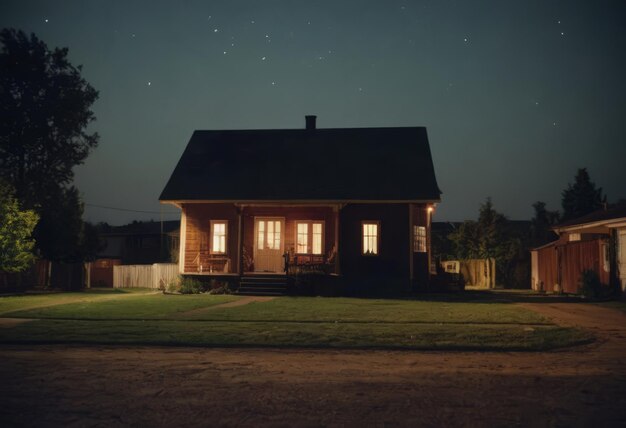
x=378, y=236
x=309, y=237
x=423, y=239
x=212, y=236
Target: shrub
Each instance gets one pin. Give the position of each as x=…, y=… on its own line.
x=191, y=286
x=589, y=284
x=174, y=285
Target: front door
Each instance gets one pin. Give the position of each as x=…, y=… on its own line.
x=268, y=245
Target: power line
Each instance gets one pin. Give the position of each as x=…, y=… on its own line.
x=129, y=210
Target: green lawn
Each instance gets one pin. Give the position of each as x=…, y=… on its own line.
x=146, y=318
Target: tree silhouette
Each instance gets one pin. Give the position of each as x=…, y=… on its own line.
x=45, y=107
x=582, y=197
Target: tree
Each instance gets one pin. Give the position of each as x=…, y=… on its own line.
x=540, y=232
x=492, y=237
x=45, y=107
x=582, y=197
x=16, y=227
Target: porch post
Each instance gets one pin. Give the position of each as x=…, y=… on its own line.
x=337, y=266
x=411, y=243
x=240, y=241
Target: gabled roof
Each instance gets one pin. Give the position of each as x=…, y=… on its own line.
x=617, y=212
x=299, y=164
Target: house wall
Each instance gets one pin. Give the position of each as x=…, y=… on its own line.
x=564, y=262
x=392, y=262
x=576, y=257
x=420, y=216
x=197, y=234
x=546, y=269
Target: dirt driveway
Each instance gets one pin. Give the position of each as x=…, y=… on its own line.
x=121, y=386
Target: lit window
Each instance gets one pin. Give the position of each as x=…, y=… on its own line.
x=370, y=238
x=419, y=239
x=303, y=238
x=218, y=236
x=309, y=237
x=268, y=235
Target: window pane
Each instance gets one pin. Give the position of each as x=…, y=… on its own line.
x=419, y=239
x=370, y=238
x=302, y=238
x=261, y=236
x=317, y=238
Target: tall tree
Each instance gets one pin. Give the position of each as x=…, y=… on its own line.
x=541, y=223
x=16, y=227
x=45, y=108
x=581, y=197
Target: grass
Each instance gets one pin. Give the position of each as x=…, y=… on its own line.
x=144, y=318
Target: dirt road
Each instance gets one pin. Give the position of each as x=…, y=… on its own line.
x=121, y=386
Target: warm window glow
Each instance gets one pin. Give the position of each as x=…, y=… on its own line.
x=317, y=238
x=218, y=240
x=419, y=239
x=268, y=235
x=370, y=238
x=302, y=245
x=309, y=237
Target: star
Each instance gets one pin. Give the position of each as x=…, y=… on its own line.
x=251, y=22
x=562, y=33
x=46, y=20
x=216, y=30
x=149, y=83
x=273, y=83
x=553, y=123
x=360, y=89
x=465, y=40
x=262, y=58
x=224, y=52
x=132, y=35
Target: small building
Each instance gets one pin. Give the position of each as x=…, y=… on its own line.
x=355, y=203
x=595, y=242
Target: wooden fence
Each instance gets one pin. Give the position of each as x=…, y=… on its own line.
x=156, y=276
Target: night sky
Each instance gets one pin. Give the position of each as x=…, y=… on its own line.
x=516, y=95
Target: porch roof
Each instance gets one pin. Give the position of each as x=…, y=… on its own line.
x=364, y=164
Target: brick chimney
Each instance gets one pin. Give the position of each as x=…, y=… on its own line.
x=310, y=122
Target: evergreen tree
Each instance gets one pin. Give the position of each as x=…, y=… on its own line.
x=541, y=223
x=582, y=197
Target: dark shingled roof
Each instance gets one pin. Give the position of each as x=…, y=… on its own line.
x=298, y=164
x=616, y=211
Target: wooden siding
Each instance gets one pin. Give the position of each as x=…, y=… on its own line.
x=577, y=257
x=559, y=266
x=420, y=260
x=197, y=238
x=547, y=276
x=392, y=260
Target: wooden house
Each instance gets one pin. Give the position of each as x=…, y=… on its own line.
x=355, y=203
x=596, y=241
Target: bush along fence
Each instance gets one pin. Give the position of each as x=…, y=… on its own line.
x=156, y=276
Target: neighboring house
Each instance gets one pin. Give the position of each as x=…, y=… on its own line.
x=596, y=241
x=141, y=242
x=349, y=202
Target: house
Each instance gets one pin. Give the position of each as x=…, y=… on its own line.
x=596, y=241
x=141, y=242
x=355, y=203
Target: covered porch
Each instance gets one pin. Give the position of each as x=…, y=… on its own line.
x=259, y=239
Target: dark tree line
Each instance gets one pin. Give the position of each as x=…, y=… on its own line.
x=45, y=109
x=508, y=242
